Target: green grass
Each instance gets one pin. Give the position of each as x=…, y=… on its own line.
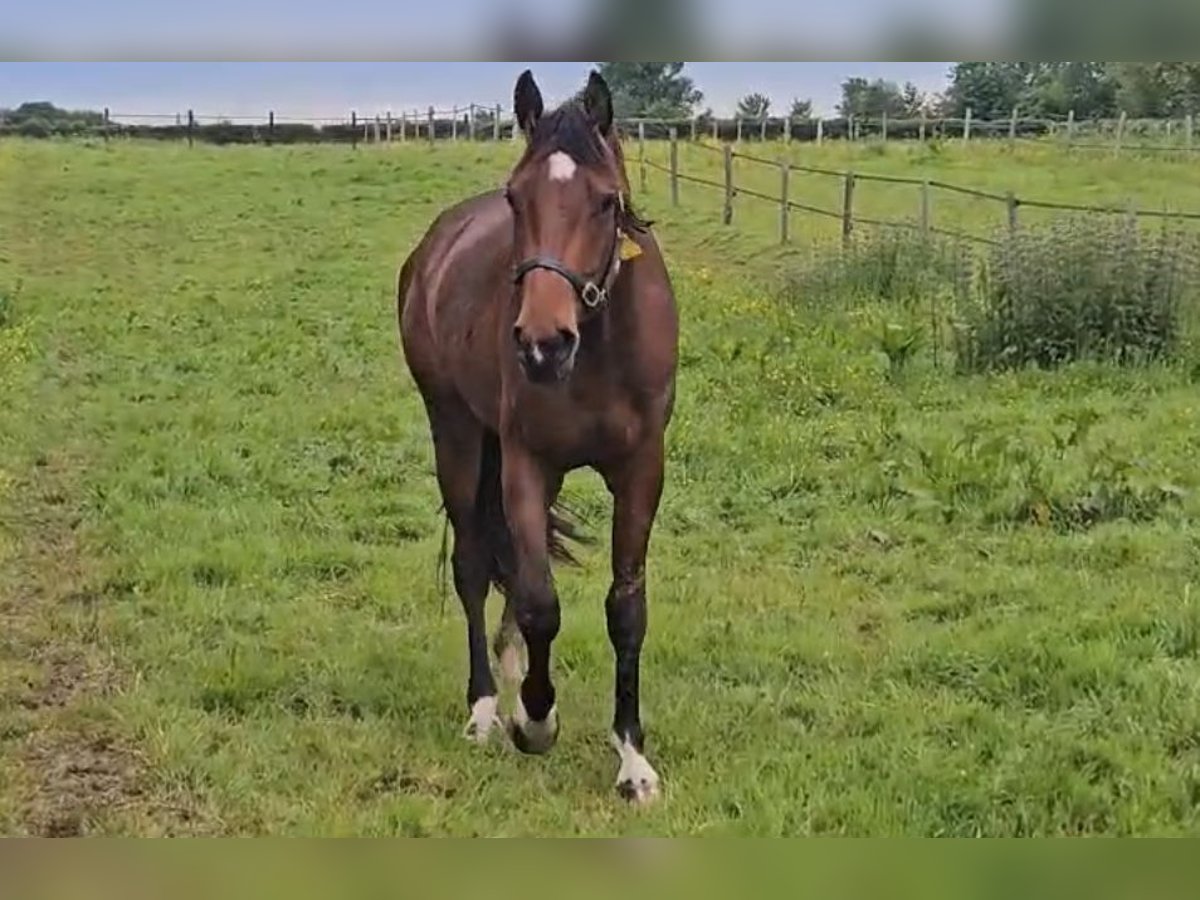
x=884, y=599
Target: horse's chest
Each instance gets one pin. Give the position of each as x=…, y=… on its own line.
x=576, y=435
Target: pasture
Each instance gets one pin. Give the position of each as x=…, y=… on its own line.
x=219, y=611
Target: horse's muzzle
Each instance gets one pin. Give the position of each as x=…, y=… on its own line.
x=549, y=360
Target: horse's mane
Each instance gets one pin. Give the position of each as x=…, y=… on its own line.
x=570, y=129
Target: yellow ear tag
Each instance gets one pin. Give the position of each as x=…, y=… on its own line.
x=629, y=248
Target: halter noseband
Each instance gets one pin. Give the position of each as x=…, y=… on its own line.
x=592, y=293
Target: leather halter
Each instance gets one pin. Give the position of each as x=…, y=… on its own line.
x=592, y=292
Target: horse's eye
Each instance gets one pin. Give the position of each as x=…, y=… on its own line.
x=608, y=202
x=508, y=196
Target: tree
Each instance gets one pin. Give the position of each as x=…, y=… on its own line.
x=653, y=90
x=992, y=90
x=912, y=101
x=1149, y=90
x=754, y=106
x=801, y=109
x=870, y=99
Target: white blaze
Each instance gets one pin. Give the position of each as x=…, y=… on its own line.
x=562, y=167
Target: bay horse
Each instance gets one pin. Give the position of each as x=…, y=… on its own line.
x=539, y=324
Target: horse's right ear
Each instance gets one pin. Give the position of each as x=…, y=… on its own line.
x=527, y=103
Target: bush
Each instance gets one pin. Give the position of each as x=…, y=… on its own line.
x=1099, y=288
x=895, y=266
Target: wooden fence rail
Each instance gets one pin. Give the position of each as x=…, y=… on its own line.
x=847, y=215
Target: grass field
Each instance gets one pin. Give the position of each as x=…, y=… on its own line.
x=881, y=601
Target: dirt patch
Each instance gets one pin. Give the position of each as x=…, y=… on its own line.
x=76, y=769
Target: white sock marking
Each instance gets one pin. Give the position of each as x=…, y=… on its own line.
x=511, y=668
x=538, y=735
x=483, y=720
x=562, y=167
x=636, y=778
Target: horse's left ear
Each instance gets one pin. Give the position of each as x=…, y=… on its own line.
x=597, y=101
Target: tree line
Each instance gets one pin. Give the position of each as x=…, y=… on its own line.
x=991, y=90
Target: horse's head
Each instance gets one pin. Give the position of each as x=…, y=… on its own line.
x=567, y=195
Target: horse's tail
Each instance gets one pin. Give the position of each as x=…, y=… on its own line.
x=563, y=528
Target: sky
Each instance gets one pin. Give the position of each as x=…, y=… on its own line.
x=332, y=89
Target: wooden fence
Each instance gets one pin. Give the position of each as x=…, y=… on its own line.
x=846, y=214
x=478, y=121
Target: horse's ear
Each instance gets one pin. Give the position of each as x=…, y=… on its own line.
x=527, y=103
x=597, y=101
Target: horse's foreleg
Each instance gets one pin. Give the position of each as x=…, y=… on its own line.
x=534, y=725
x=457, y=442
x=636, y=487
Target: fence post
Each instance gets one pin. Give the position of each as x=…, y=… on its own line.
x=353, y=129
x=496, y=125
x=883, y=127
x=848, y=210
x=762, y=129
x=922, y=126
x=820, y=132
x=270, y=127
x=1012, y=128
x=516, y=128
x=106, y=118
x=431, y=126
x=389, y=126
x=642, y=155
x=191, y=126
x=674, y=168
x=693, y=129
x=378, y=124
x=471, y=123
x=967, y=126
x=739, y=129
x=1070, y=128
x=1120, y=134
x=727, y=211
x=925, y=220
x=716, y=129
x=788, y=121
x=850, y=126
x=454, y=123
x=784, y=209
x=1189, y=127
x=1011, y=203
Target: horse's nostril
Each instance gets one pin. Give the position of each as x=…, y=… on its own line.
x=567, y=338
x=517, y=333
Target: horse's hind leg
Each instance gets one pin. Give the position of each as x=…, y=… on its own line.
x=457, y=438
x=509, y=647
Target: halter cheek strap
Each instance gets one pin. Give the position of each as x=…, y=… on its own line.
x=592, y=292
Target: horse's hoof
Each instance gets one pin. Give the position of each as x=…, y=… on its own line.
x=640, y=791
x=483, y=720
x=533, y=737
x=637, y=781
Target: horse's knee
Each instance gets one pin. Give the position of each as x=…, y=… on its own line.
x=538, y=616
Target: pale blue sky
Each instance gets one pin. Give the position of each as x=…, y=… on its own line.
x=334, y=88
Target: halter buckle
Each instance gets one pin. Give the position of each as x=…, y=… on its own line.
x=592, y=295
